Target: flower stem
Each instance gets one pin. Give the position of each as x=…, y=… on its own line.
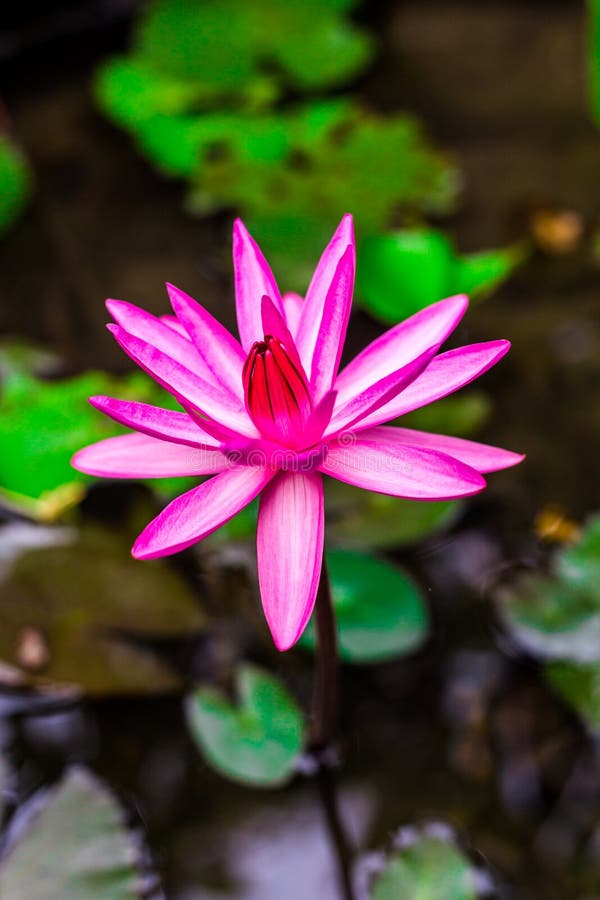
x=325, y=697
x=324, y=725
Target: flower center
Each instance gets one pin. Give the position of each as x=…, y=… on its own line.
x=276, y=391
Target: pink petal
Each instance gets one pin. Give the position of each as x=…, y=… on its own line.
x=186, y=386
x=253, y=280
x=445, y=374
x=290, y=552
x=395, y=348
x=197, y=513
x=320, y=418
x=292, y=308
x=140, y=456
x=376, y=395
x=273, y=323
x=481, y=457
x=163, y=336
x=178, y=427
x=174, y=323
x=325, y=312
x=383, y=465
x=218, y=348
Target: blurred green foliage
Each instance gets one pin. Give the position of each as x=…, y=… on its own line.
x=257, y=739
x=44, y=422
x=558, y=615
x=426, y=867
x=379, y=610
x=15, y=183
x=593, y=39
x=401, y=272
x=77, y=848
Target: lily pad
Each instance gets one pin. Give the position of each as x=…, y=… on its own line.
x=379, y=609
x=365, y=520
x=429, y=868
x=558, y=615
x=77, y=848
x=15, y=183
x=77, y=611
x=402, y=272
x=43, y=423
x=579, y=686
x=256, y=741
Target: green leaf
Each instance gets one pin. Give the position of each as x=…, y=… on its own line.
x=579, y=565
x=365, y=520
x=479, y=274
x=402, y=272
x=579, y=686
x=76, y=849
x=43, y=423
x=428, y=869
x=15, y=183
x=77, y=611
x=379, y=609
x=257, y=741
x=558, y=615
x=593, y=56
x=552, y=619
x=462, y=416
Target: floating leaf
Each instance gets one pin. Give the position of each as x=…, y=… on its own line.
x=15, y=183
x=579, y=686
x=379, y=609
x=72, y=604
x=258, y=740
x=77, y=848
x=579, y=565
x=430, y=868
x=404, y=271
x=558, y=615
x=43, y=423
x=366, y=520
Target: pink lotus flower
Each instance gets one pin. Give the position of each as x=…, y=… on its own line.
x=269, y=414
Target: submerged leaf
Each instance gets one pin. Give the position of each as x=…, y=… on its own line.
x=379, y=610
x=76, y=849
x=73, y=602
x=258, y=740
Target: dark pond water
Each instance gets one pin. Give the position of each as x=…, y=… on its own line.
x=466, y=730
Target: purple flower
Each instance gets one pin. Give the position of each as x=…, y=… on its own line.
x=270, y=415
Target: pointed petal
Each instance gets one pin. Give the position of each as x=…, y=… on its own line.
x=292, y=308
x=253, y=280
x=382, y=465
x=273, y=323
x=377, y=395
x=481, y=457
x=445, y=374
x=186, y=386
x=162, y=335
x=320, y=418
x=140, y=456
x=397, y=347
x=311, y=312
x=324, y=316
x=197, y=513
x=290, y=552
x=218, y=348
x=174, y=323
x=168, y=424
